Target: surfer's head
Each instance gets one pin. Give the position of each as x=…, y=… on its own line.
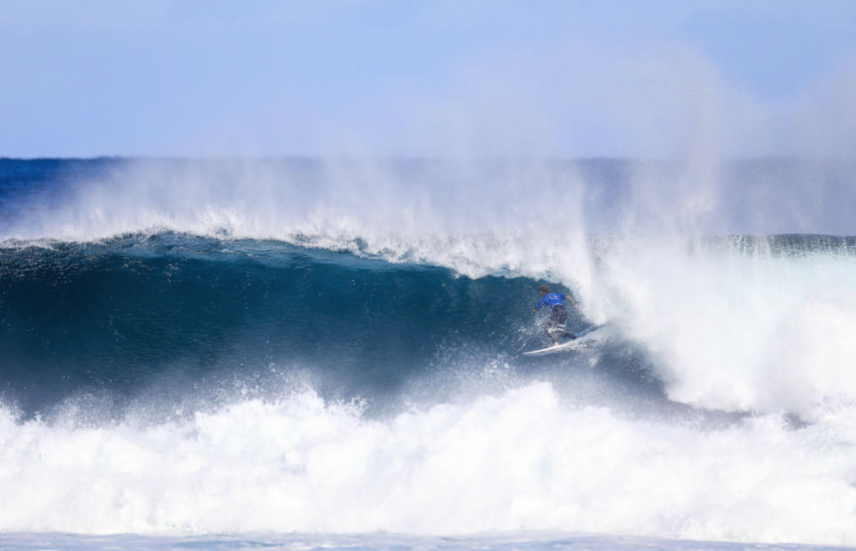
x=543, y=290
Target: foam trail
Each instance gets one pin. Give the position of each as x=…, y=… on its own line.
x=524, y=460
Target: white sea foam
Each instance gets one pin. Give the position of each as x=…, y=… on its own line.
x=735, y=330
x=524, y=460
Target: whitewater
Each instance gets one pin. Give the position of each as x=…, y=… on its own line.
x=299, y=353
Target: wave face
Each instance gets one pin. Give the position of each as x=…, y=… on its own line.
x=232, y=347
x=129, y=313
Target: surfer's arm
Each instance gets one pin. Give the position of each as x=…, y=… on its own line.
x=569, y=297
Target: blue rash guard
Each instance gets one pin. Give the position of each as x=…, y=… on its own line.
x=551, y=300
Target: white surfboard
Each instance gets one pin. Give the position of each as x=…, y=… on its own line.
x=590, y=339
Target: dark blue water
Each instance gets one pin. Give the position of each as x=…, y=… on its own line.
x=120, y=315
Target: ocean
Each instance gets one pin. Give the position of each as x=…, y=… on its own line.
x=311, y=354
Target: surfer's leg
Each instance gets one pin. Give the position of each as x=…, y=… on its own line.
x=551, y=331
x=558, y=319
x=553, y=328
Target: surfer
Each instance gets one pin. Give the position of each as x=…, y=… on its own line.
x=558, y=317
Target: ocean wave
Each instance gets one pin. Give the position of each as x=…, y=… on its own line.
x=334, y=348
x=734, y=324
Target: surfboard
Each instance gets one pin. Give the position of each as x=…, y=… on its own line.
x=588, y=339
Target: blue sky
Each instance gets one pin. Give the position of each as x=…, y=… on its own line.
x=375, y=77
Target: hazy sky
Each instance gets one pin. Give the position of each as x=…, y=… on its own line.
x=395, y=77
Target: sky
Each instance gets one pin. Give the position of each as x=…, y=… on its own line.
x=575, y=78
